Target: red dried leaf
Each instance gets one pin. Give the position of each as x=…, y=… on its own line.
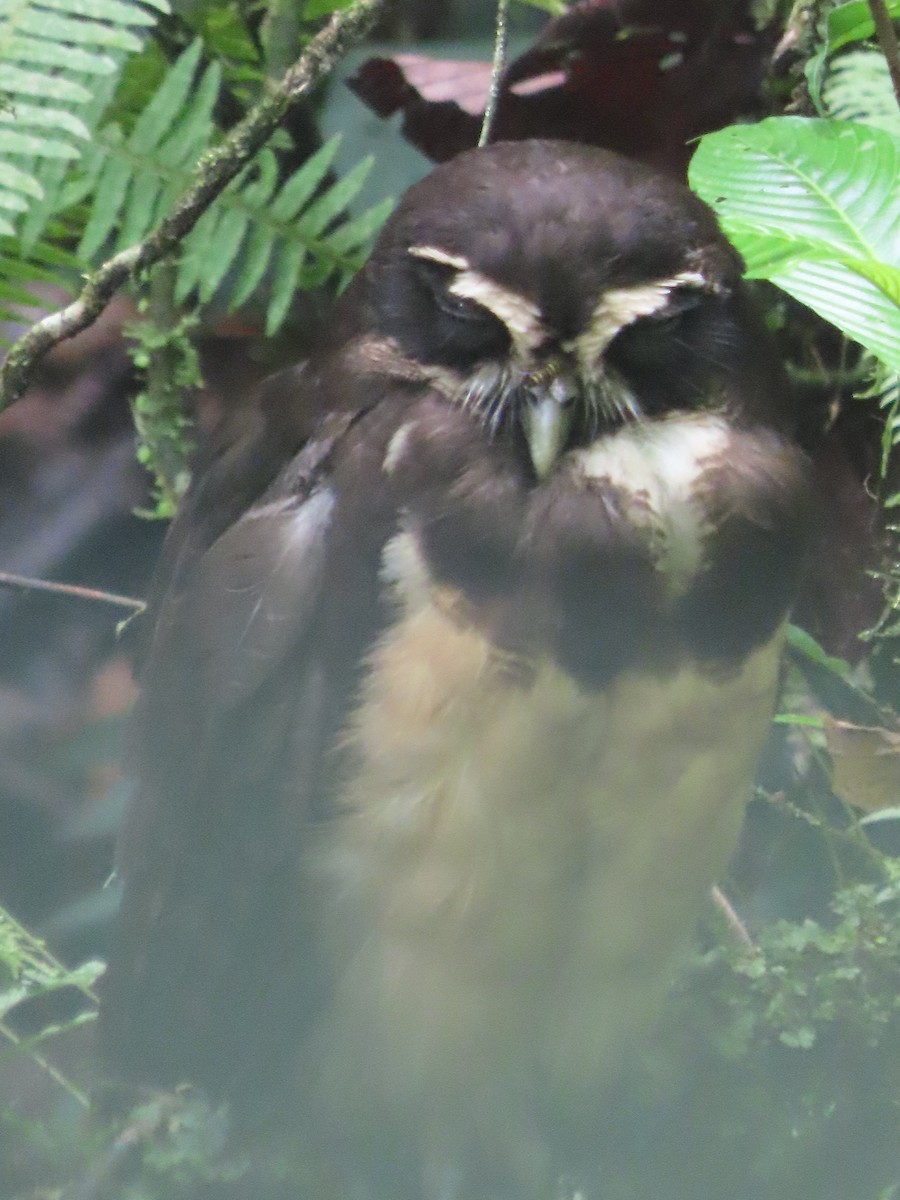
x=641, y=76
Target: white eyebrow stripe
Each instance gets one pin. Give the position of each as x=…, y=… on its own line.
x=521, y=316
x=435, y=254
x=619, y=307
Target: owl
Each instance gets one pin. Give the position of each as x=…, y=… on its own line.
x=458, y=668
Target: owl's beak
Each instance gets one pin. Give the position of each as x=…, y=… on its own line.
x=547, y=419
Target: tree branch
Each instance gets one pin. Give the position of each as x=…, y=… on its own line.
x=734, y=922
x=215, y=171
x=887, y=40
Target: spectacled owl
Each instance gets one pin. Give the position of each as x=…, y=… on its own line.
x=461, y=662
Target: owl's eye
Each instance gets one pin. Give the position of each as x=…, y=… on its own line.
x=649, y=340
x=438, y=278
x=681, y=303
x=462, y=308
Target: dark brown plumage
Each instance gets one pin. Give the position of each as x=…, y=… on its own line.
x=460, y=670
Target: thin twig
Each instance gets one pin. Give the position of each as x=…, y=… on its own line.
x=56, y=1075
x=501, y=38
x=26, y=584
x=735, y=924
x=887, y=40
x=215, y=170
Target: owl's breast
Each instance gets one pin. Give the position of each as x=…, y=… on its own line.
x=666, y=540
x=546, y=772
x=520, y=861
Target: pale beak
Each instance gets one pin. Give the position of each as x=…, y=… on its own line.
x=546, y=421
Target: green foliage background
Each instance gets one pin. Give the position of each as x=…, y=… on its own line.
x=104, y=113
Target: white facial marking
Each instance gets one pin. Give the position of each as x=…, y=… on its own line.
x=661, y=464
x=619, y=307
x=435, y=254
x=397, y=447
x=521, y=316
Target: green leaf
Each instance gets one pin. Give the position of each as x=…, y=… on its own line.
x=841, y=295
x=14, y=142
x=48, y=50
x=12, y=293
x=286, y=272
x=357, y=231
x=885, y=278
x=798, y=1039
x=167, y=102
x=315, y=272
x=110, y=192
x=853, y=22
x=13, y=201
x=10, y=997
x=805, y=644
x=67, y=29
x=254, y=260
x=117, y=12
x=18, y=181
x=258, y=247
x=803, y=720
x=554, y=7
x=812, y=205
x=330, y=205
x=39, y=52
x=833, y=183
x=883, y=814
x=323, y=8
x=192, y=132
x=229, y=235
x=34, y=117
x=301, y=185
x=226, y=35
x=198, y=251
x=140, y=203
x=858, y=88
x=17, y=82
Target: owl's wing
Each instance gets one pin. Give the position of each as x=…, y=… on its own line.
x=244, y=688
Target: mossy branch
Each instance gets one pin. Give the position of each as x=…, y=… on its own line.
x=215, y=171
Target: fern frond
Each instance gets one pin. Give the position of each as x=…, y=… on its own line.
x=287, y=240
x=45, y=264
x=51, y=53
x=134, y=179
x=858, y=88
x=290, y=235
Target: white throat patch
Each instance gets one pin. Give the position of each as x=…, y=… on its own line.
x=661, y=465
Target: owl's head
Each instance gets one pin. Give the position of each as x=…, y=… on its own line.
x=560, y=291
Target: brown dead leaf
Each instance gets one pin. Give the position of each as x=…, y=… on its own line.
x=866, y=763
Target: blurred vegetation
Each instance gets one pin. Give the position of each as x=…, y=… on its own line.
x=774, y=1071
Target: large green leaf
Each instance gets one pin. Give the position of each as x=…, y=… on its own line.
x=853, y=22
x=814, y=206
x=857, y=87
